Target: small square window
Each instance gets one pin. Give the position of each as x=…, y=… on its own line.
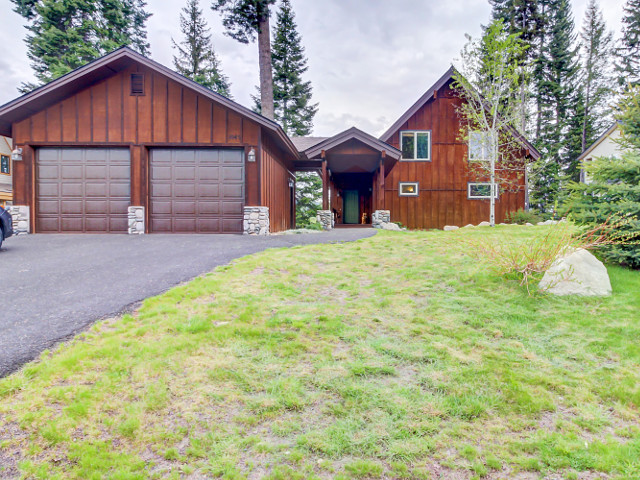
x=409, y=189
x=5, y=165
x=480, y=190
x=416, y=145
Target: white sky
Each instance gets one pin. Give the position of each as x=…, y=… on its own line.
x=369, y=60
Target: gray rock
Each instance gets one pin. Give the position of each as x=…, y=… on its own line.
x=484, y=224
x=391, y=226
x=577, y=273
x=528, y=224
x=469, y=225
x=450, y=228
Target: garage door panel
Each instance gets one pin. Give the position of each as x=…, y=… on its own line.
x=232, y=208
x=208, y=208
x=82, y=190
x=232, y=173
x=195, y=180
x=48, y=172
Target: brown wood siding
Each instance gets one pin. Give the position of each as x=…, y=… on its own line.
x=167, y=115
x=442, y=181
x=274, y=186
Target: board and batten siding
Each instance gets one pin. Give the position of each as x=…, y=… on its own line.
x=106, y=115
x=443, y=180
x=275, y=188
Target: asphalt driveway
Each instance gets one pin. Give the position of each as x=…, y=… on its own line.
x=54, y=286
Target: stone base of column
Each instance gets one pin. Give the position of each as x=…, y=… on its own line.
x=325, y=219
x=136, y=220
x=20, y=217
x=256, y=221
x=380, y=218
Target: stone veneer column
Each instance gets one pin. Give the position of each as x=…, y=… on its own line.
x=325, y=218
x=380, y=217
x=136, y=220
x=256, y=221
x=20, y=217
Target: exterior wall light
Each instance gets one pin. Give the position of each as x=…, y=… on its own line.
x=251, y=156
x=291, y=183
x=16, y=155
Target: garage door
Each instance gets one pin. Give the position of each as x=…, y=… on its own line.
x=83, y=190
x=197, y=190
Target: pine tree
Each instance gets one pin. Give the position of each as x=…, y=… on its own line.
x=628, y=52
x=245, y=20
x=308, y=198
x=66, y=34
x=558, y=103
x=595, y=79
x=291, y=95
x=196, y=57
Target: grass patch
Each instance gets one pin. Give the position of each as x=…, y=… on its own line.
x=398, y=356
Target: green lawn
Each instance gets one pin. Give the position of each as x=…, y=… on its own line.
x=393, y=357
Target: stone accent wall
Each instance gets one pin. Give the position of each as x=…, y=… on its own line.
x=256, y=221
x=325, y=218
x=380, y=217
x=136, y=220
x=20, y=216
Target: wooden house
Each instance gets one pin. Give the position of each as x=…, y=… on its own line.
x=125, y=132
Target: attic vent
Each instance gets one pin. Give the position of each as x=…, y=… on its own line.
x=137, y=84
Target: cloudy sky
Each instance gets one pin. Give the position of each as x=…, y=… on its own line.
x=369, y=60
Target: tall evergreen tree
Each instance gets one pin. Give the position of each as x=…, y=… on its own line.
x=196, y=57
x=66, y=34
x=556, y=71
x=628, y=52
x=596, y=45
x=291, y=95
x=245, y=20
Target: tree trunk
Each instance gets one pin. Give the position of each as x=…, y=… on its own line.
x=266, y=74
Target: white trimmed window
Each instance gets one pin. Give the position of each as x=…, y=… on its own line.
x=480, y=190
x=416, y=145
x=409, y=189
x=480, y=146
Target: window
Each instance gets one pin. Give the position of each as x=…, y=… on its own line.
x=416, y=145
x=137, y=84
x=409, y=189
x=480, y=146
x=480, y=190
x=5, y=165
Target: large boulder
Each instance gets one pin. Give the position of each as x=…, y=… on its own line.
x=390, y=226
x=450, y=228
x=577, y=273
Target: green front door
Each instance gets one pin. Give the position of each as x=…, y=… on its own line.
x=351, y=207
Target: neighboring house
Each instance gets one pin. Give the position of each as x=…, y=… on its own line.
x=605, y=146
x=6, y=196
x=124, y=131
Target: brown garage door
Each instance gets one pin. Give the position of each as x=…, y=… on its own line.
x=83, y=190
x=197, y=190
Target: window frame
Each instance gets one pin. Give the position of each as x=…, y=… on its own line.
x=484, y=158
x=415, y=146
x=482, y=197
x=8, y=172
x=402, y=184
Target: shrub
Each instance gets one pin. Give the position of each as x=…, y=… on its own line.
x=613, y=196
x=522, y=217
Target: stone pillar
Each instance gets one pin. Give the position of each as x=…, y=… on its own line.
x=136, y=220
x=325, y=218
x=21, y=219
x=256, y=221
x=380, y=218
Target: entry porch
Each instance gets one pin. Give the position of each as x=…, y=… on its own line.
x=353, y=166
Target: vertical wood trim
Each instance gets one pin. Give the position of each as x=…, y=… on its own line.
x=106, y=108
x=166, y=100
x=46, y=125
x=77, y=118
x=212, y=126
x=121, y=108
x=152, y=98
x=91, y=111
x=325, y=183
x=182, y=114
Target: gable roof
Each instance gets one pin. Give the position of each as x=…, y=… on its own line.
x=303, y=143
x=429, y=95
x=349, y=134
x=105, y=66
x=600, y=139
